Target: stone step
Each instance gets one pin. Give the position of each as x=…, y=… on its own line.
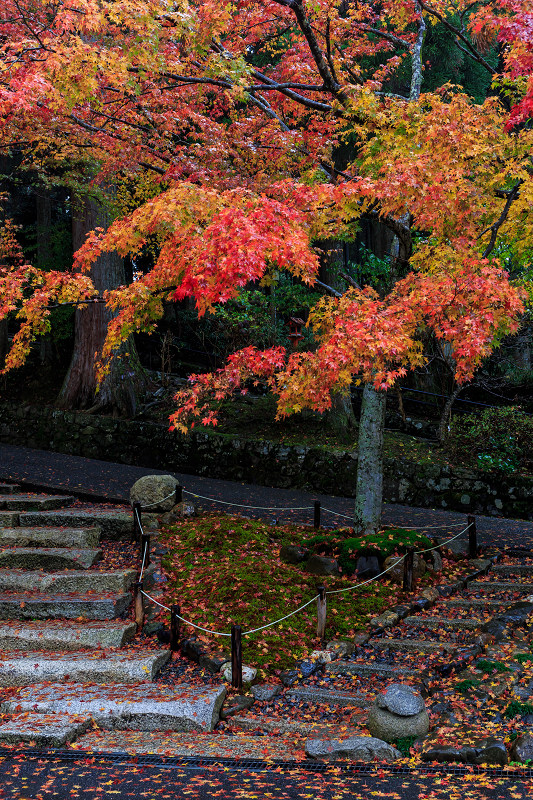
x=513, y=569
x=494, y=587
x=328, y=697
x=29, y=558
x=63, y=635
x=75, y=581
x=49, y=537
x=26, y=668
x=256, y=748
x=412, y=645
x=71, y=606
x=43, y=730
x=144, y=706
x=269, y=724
x=9, y=488
x=369, y=670
x=443, y=622
x=34, y=502
x=488, y=605
x=113, y=524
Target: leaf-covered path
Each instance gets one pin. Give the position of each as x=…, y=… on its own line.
x=112, y=481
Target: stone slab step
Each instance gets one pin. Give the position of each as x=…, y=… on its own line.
x=328, y=697
x=412, y=645
x=258, y=748
x=9, y=488
x=49, y=537
x=368, y=670
x=34, y=502
x=488, y=605
x=71, y=606
x=143, y=706
x=494, y=587
x=25, y=668
x=114, y=524
x=443, y=622
x=44, y=558
x=77, y=581
x=64, y=635
x=9, y=518
x=513, y=569
x=251, y=722
x=44, y=730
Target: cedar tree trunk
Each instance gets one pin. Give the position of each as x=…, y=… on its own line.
x=369, y=486
x=118, y=392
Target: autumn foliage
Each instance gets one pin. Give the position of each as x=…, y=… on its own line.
x=241, y=112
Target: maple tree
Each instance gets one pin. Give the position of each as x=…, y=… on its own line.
x=241, y=113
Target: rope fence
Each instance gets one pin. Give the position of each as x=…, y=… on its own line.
x=236, y=631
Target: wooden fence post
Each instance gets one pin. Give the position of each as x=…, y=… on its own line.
x=321, y=607
x=236, y=657
x=138, y=604
x=408, y=564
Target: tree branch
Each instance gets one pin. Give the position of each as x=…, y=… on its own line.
x=460, y=35
x=494, y=229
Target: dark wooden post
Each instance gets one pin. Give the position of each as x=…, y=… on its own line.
x=408, y=563
x=179, y=494
x=321, y=608
x=137, y=508
x=472, y=537
x=138, y=604
x=316, y=520
x=175, y=613
x=236, y=657
x=145, y=548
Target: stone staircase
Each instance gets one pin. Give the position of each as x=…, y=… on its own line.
x=69, y=658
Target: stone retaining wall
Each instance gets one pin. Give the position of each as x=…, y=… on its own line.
x=221, y=456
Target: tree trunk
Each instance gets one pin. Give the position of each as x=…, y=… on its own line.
x=119, y=390
x=3, y=342
x=369, y=487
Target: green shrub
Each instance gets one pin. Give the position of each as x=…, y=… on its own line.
x=498, y=440
x=491, y=666
x=517, y=709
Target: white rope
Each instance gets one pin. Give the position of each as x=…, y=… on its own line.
x=441, y=544
x=240, y=505
x=144, y=561
x=337, y=513
x=186, y=621
x=364, y=583
x=149, y=505
x=281, y=619
x=435, y=527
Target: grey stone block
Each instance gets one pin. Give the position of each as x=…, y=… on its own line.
x=55, y=635
x=55, y=606
x=442, y=622
x=8, y=518
x=49, y=537
x=475, y=751
x=143, y=707
x=391, y=727
x=413, y=645
x=76, y=581
x=49, y=558
x=31, y=502
x=328, y=697
x=114, y=524
x=356, y=748
x=30, y=668
x=368, y=670
x=321, y=565
x=265, y=693
x=158, y=492
x=44, y=730
x=400, y=699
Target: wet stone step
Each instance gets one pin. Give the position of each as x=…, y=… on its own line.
x=271, y=724
x=9, y=488
x=34, y=502
x=495, y=587
x=76, y=581
x=9, y=519
x=46, y=606
x=43, y=730
x=64, y=635
x=477, y=605
x=49, y=537
x=25, y=668
x=513, y=569
x=328, y=697
x=257, y=748
x=443, y=622
x=412, y=645
x=145, y=706
x=114, y=524
x=45, y=558
x=368, y=669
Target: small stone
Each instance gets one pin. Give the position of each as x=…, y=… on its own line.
x=360, y=638
x=321, y=656
x=306, y=668
x=232, y=705
x=321, y=565
x=385, y=620
x=367, y=567
x=292, y=554
x=522, y=749
x=473, y=751
x=289, y=677
x=356, y=748
x=339, y=647
x=152, y=628
x=213, y=662
x=248, y=673
x=154, y=492
x=401, y=700
x=430, y=594
x=266, y=692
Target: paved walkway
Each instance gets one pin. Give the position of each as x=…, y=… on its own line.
x=107, y=480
